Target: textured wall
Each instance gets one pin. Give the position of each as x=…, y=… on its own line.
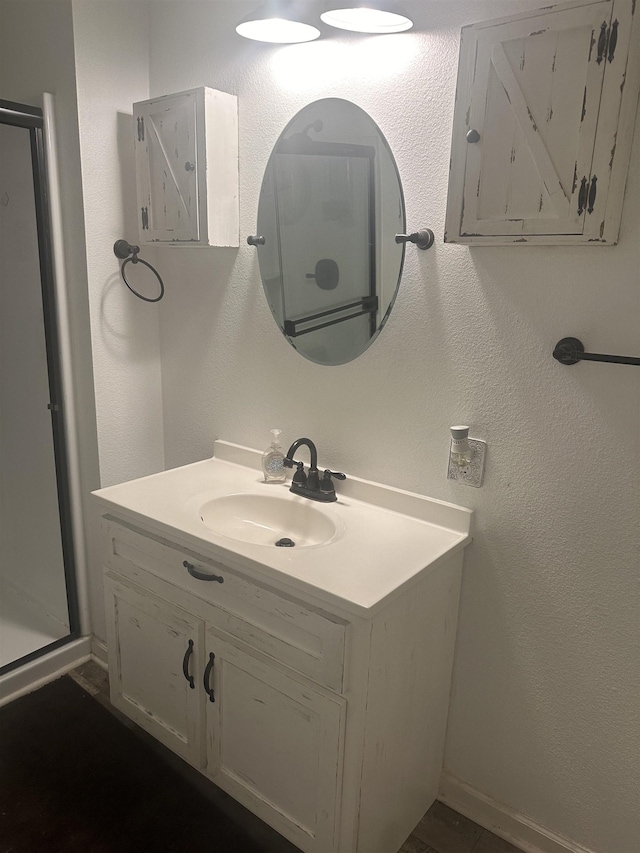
x=545, y=701
x=112, y=70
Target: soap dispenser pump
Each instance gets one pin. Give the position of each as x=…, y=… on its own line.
x=273, y=460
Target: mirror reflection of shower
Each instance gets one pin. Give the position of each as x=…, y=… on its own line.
x=35, y=548
x=330, y=205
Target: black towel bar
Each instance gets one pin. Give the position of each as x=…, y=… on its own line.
x=571, y=351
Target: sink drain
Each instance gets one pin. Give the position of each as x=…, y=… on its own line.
x=285, y=542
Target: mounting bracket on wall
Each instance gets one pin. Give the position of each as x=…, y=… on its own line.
x=423, y=239
x=129, y=254
x=571, y=351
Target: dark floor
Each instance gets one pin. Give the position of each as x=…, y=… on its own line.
x=441, y=830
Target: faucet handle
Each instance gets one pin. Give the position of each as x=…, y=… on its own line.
x=299, y=478
x=326, y=484
x=336, y=474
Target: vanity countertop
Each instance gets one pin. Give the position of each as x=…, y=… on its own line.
x=387, y=537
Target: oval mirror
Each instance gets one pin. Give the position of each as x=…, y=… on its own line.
x=330, y=206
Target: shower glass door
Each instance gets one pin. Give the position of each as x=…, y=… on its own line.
x=37, y=591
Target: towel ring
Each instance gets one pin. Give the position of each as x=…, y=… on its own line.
x=122, y=250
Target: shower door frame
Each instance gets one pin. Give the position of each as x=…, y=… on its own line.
x=31, y=118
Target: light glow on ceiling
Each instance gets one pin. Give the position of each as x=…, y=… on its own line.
x=361, y=19
x=277, y=31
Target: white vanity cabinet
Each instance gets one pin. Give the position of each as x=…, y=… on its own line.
x=543, y=125
x=327, y=724
x=207, y=669
x=186, y=154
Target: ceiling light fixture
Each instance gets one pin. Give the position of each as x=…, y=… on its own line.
x=368, y=17
x=277, y=22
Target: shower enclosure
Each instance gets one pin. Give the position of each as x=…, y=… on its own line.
x=38, y=600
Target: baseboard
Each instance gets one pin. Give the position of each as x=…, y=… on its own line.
x=99, y=652
x=503, y=820
x=40, y=671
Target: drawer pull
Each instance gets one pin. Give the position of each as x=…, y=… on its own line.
x=207, y=676
x=201, y=576
x=185, y=665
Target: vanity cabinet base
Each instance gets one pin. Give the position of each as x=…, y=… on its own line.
x=243, y=695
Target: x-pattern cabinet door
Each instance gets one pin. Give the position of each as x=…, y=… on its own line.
x=275, y=744
x=166, y=167
x=536, y=126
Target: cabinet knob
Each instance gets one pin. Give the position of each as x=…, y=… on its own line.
x=189, y=167
x=473, y=135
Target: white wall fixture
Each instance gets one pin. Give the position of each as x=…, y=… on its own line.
x=186, y=149
x=278, y=22
x=466, y=457
x=543, y=125
x=375, y=17
x=311, y=683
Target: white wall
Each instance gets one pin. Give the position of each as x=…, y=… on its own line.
x=544, y=705
x=112, y=69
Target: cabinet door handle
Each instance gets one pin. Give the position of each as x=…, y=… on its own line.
x=582, y=195
x=602, y=42
x=207, y=677
x=592, y=194
x=185, y=665
x=201, y=576
x=613, y=40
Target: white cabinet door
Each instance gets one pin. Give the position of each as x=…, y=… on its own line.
x=155, y=667
x=186, y=148
x=540, y=141
x=275, y=744
x=166, y=166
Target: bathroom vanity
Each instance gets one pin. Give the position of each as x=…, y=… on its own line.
x=311, y=683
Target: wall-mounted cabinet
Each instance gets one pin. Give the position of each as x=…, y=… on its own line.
x=186, y=149
x=543, y=126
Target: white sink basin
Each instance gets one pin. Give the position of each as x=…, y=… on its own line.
x=261, y=519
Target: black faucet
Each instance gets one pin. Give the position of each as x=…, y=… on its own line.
x=310, y=485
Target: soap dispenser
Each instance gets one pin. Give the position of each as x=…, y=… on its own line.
x=273, y=460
